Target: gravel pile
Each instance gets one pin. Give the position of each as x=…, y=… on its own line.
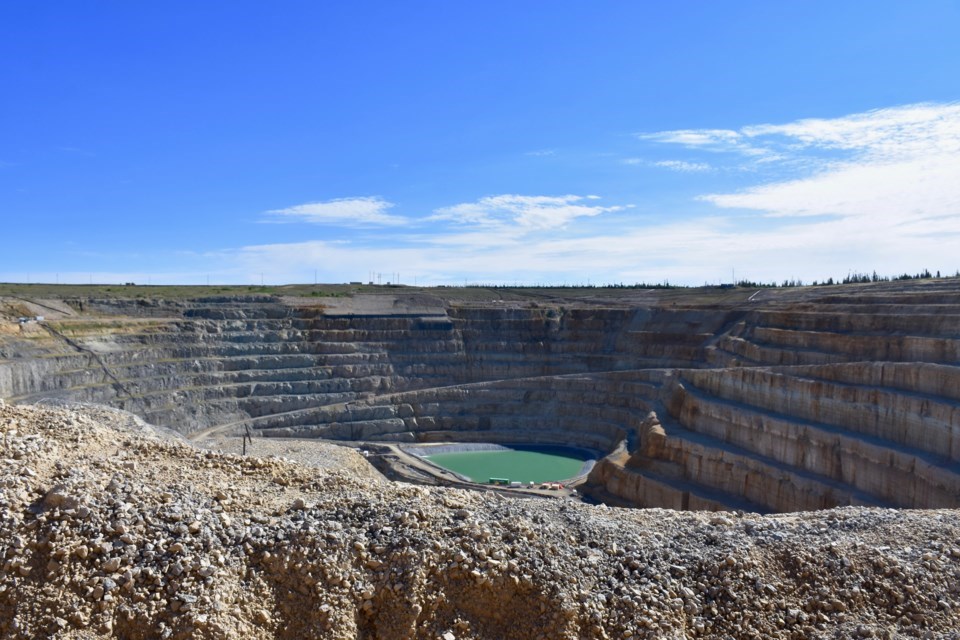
x=310, y=453
x=109, y=532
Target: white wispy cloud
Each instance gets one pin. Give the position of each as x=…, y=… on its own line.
x=348, y=212
x=714, y=140
x=692, y=252
x=675, y=165
x=901, y=164
x=683, y=166
x=522, y=212
x=882, y=133
x=696, y=137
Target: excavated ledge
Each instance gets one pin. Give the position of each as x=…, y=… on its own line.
x=782, y=401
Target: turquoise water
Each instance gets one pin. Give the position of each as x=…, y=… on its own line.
x=518, y=464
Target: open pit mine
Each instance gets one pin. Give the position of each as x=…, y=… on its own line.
x=767, y=463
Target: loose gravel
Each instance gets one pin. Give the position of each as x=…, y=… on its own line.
x=108, y=531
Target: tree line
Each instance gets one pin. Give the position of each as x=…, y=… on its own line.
x=850, y=278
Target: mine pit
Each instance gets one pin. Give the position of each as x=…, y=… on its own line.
x=769, y=401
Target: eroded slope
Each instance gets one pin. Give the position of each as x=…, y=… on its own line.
x=111, y=532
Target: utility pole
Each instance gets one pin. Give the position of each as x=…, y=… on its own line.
x=246, y=438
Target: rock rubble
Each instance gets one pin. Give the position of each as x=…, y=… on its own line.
x=107, y=531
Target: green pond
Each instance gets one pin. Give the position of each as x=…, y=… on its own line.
x=517, y=464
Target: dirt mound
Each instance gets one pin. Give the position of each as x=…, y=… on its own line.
x=112, y=532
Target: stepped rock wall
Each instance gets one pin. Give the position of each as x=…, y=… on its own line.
x=768, y=401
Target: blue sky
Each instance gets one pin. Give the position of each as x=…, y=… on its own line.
x=488, y=142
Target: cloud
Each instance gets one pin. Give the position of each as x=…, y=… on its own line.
x=902, y=164
x=541, y=153
x=712, y=140
x=348, y=212
x=683, y=166
x=709, y=138
x=881, y=133
x=692, y=252
x=522, y=212
x=892, y=133
x=674, y=165
x=882, y=193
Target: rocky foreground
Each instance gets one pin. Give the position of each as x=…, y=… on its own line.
x=109, y=530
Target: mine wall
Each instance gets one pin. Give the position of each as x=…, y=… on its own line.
x=595, y=411
x=767, y=405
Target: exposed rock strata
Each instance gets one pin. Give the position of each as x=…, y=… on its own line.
x=780, y=401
